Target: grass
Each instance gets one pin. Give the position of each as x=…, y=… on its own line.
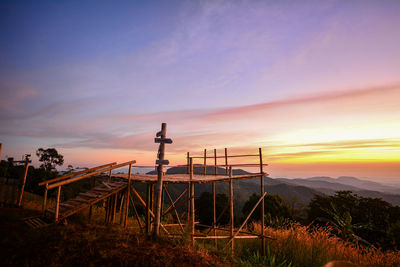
x=80, y=243
x=83, y=243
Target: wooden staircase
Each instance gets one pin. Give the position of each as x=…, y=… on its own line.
x=108, y=189
x=85, y=200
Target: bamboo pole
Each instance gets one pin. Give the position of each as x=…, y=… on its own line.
x=57, y=203
x=114, y=208
x=192, y=212
x=215, y=162
x=21, y=194
x=127, y=196
x=226, y=161
x=172, y=204
x=76, y=173
x=45, y=200
x=136, y=213
x=247, y=218
x=90, y=174
x=176, y=200
x=262, y=203
x=214, y=214
x=232, y=224
x=205, y=162
x=149, y=196
x=188, y=189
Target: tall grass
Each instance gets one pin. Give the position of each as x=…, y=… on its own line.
x=305, y=246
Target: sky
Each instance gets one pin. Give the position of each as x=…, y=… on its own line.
x=315, y=84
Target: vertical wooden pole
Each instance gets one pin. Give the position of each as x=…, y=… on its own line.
x=188, y=190
x=109, y=175
x=45, y=199
x=149, y=207
x=57, y=204
x=231, y=206
x=205, y=162
x=262, y=203
x=159, y=185
x=187, y=162
x=192, y=211
x=114, y=208
x=214, y=215
x=226, y=161
x=121, y=210
x=215, y=162
x=21, y=194
x=127, y=196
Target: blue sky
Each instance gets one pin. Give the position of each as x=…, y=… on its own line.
x=100, y=76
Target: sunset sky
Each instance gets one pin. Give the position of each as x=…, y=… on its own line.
x=316, y=84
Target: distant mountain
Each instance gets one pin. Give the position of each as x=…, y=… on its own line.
x=299, y=190
x=358, y=183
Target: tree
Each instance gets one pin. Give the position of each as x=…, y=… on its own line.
x=204, y=208
x=274, y=206
x=50, y=158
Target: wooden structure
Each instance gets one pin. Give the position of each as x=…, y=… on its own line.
x=190, y=178
x=108, y=189
x=12, y=190
x=122, y=189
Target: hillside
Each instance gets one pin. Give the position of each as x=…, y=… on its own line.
x=300, y=190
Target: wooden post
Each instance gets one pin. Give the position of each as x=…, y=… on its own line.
x=45, y=200
x=188, y=189
x=231, y=206
x=114, y=208
x=159, y=185
x=109, y=175
x=149, y=206
x=215, y=162
x=192, y=211
x=226, y=161
x=187, y=162
x=205, y=162
x=214, y=215
x=21, y=194
x=57, y=203
x=262, y=203
x=127, y=196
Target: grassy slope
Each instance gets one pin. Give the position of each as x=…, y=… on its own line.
x=81, y=244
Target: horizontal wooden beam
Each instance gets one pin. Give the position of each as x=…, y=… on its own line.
x=75, y=174
x=90, y=174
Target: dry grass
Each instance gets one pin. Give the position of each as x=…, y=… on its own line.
x=314, y=247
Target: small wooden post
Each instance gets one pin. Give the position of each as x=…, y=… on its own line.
x=45, y=199
x=214, y=215
x=127, y=196
x=57, y=203
x=262, y=203
x=114, y=208
x=231, y=206
x=188, y=190
x=215, y=162
x=192, y=211
x=21, y=194
x=226, y=161
x=205, y=162
x=149, y=206
x=187, y=162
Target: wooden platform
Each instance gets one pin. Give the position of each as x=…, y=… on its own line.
x=85, y=200
x=185, y=178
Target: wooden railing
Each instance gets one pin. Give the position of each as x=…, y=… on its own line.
x=74, y=177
